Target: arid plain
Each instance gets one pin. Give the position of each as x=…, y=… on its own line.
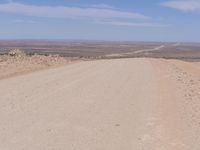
x=99, y=95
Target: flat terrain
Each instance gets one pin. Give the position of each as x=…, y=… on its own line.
x=140, y=104
x=106, y=50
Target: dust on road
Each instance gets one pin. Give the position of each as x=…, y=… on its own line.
x=136, y=104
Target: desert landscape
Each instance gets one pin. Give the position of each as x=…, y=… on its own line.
x=58, y=95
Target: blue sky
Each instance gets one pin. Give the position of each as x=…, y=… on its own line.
x=127, y=20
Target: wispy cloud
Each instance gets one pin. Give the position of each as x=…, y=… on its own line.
x=98, y=14
x=183, y=5
x=102, y=6
x=68, y=12
x=131, y=24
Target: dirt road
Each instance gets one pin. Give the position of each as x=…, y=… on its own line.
x=150, y=50
x=126, y=104
x=157, y=48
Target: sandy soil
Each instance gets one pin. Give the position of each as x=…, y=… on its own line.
x=22, y=64
x=140, y=104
